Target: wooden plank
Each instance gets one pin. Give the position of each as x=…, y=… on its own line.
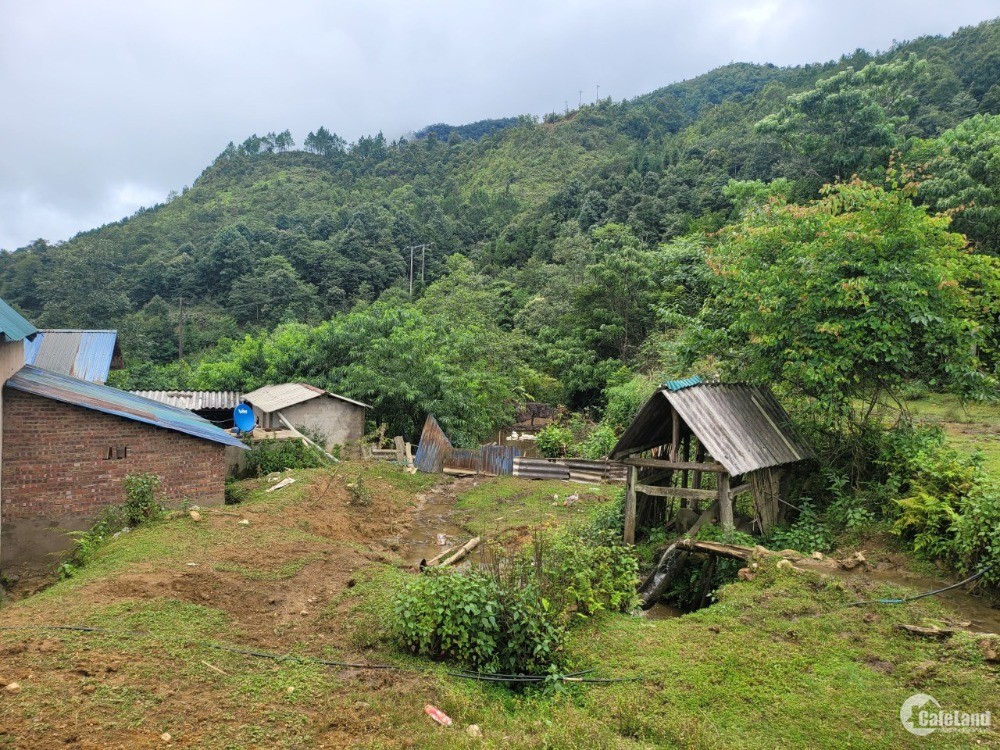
x=629, y=535
x=704, y=518
x=660, y=463
x=725, y=504
x=682, y=492
x=745, y=487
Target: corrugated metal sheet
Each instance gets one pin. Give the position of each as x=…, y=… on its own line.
x=88, y=355
x=272, y=398
x=194, y=400
x=677, y=385
x=743, y=427
x=433, y=448
x=498, y=460
x=462, y=459
x=574, y=469
x=13, y=326
x=101, y=398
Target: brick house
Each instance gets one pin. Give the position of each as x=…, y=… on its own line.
x=67, y=444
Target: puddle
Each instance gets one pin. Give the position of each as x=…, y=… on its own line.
x=661, y=612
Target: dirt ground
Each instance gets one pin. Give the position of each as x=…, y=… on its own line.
x=287, y=591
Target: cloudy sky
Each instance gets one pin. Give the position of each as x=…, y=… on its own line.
x=109, y=105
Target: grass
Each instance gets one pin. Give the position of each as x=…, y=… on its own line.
x=970, y=427
x=779, y=662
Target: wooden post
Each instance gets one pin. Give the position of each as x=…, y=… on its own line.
x=675, y=438
x=633, y=474
x=685, y=457
x=725, y=503
x=699, y=457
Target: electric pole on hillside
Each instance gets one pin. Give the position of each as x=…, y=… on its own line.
x=423, y=260
x=180, y=328
x=598, y=93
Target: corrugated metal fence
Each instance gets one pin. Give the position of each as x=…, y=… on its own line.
x=574, y=469
x=435, y=453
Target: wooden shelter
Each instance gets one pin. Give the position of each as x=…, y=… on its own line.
x=690, y=434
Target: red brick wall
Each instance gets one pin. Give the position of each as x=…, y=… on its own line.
x=55, y=461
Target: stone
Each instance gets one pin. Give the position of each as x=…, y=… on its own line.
x=12, y=687
x=473, y=730
x=817, y=555
x=745, y=574
x=244, y=522
x=165, y=737
x=195, y=515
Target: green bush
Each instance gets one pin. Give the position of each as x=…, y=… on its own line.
x=269, y=456
x=554, y=441
x=236, y=493
x=512, y=617
x=140, y=498
x=470, y=618
x=599, y=442
x=809, y=533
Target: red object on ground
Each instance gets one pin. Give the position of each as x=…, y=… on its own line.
x=438, y=715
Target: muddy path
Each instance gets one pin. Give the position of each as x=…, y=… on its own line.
x=434, y=525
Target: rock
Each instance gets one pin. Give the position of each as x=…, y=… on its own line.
x=473, y=730
x=817, y=555
x=12, y=687
x=165, y=737
x=290, y=690
x=760, y=551
x=195, y=507
x=854, y=561
x=244, y=522
x=714, y=629
x=991, y=650
x=304, y=612
x=787, y=565
x=745, y=574
x=195, y=515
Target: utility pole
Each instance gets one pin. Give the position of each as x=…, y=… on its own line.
x=411, y=269
x=598, y=92
x=180, y=332
x=580, y=104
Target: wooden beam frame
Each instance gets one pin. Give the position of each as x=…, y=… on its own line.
x=681, y=492
x=660, y=463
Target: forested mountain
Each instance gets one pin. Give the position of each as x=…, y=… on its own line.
x=565, y=256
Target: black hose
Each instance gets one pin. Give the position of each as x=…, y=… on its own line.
x=935, y=592
x=480, y=676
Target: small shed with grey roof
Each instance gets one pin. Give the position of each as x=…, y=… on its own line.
x=215, y=406
x=87, y=355
x=692, y=434
x=327, y=418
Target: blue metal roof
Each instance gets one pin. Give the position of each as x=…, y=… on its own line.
x=59, y=387
x=88, y=355
x=13, y=326
x=678, y=385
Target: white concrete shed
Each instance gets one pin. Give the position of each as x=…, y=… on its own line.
x=328, y=418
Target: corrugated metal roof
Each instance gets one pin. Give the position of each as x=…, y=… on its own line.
x=194, y=400
x=88, y=355
x=743, y=427
x=677, y=385
x=13, y=326
x=273, y=398
x=102, y=398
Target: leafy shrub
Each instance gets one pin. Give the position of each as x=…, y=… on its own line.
x=584, y=576
x=140, y=498
x=554, y=441
x=359, y=494
x=236, y=493
x=269, y=456
x=809, y=533
x=512, y=617
x=470, y=618
x=599, y=442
